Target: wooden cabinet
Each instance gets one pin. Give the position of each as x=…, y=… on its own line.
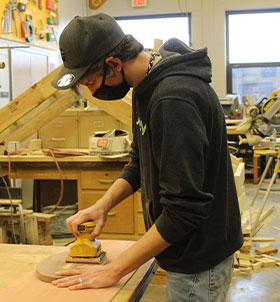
x=72, y=128
x=62, y=132
x=124, y=221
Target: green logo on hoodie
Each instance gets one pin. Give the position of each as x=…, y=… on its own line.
x=142, y=127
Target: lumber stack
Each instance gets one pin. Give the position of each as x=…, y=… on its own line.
x=256, y=252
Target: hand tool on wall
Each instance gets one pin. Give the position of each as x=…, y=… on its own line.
x=21, y=6
x=6, y=22
x=12, y=6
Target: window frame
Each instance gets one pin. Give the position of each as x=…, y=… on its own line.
x=161, y=16
x=230, y=66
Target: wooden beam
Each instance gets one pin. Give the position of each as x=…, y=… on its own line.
x=119, y=109
x=26, y=118
x=28, y=100
x=64, y=100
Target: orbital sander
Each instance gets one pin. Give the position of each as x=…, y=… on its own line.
x=84, y=250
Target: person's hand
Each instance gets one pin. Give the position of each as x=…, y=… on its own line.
x=88, y=276
x=95, y=213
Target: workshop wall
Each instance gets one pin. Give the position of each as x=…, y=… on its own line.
x=32, y=22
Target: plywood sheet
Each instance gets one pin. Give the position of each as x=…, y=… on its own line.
x=29, y=288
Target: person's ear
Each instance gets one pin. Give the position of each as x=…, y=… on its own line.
x=114, y=63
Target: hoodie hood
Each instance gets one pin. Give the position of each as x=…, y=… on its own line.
x=178, y=59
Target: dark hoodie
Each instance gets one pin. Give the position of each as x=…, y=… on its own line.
x=180, y=160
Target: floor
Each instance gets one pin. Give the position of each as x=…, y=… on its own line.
x=262, y=286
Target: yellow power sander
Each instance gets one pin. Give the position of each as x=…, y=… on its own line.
x=84, y=250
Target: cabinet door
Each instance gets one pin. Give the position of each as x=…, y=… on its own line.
x=62, y=132
x=120, y=218
x=26, y=69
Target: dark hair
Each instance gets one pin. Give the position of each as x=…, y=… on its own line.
x=128, y=49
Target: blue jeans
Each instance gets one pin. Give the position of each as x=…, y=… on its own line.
x=208, y=286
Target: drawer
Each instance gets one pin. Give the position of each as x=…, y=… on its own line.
x=62, y=132
x=99, y=179
x=120, y=218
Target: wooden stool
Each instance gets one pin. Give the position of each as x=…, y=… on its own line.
x=14, y=206
x=32, y=227
x=275, y=173
x=257, y=154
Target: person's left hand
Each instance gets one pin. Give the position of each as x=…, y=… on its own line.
x=87, y=276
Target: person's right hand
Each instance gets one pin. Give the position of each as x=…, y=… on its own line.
x=95, y=213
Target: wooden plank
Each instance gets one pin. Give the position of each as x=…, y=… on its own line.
x=265, y=215
x=44, y=217
x=119, y=109
x=246, y=222
x=266, y=262
x=7, y=202
x=26, y=118
x=263, y=239
x=31, y=230
x=246, y=247
x=266, y=250
x=239, y=177
x=244, y=263
x=235, y=161
x=243, y=202
x=64, y=100
x=28, y=100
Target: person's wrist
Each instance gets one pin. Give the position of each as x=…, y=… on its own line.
x=104, y=205
x=116, y=270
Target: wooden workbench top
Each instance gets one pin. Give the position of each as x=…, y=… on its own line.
x=41, y=157
x=18, y=281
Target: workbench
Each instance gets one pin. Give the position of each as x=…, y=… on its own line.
x=94, y=175
x=20, y=283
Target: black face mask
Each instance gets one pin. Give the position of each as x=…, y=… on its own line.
x=111, y=93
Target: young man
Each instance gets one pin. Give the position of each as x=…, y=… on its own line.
x=179, y=159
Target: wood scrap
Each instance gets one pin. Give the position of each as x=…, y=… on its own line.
x=263, y=239
x=246, y=247
x=256, y=266
x=246, y=223
x=266, y=250
x=265, y=215
x=266, y=262
x=244, y=263
x=245, y=259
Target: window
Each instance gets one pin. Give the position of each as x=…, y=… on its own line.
x=147, y=28
x=253, y=56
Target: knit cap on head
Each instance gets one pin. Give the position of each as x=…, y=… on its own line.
x=83, y=42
